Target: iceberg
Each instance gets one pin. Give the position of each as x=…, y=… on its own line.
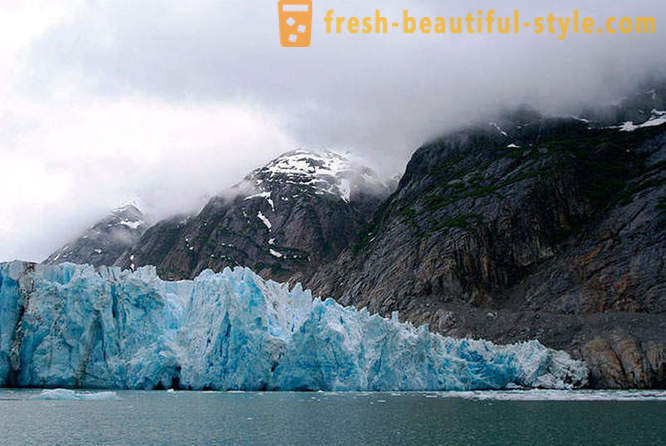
x=75, y=326
x=70, y=395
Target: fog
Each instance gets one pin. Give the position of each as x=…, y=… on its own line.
x=173, y=102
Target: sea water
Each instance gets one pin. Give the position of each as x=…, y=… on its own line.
x=283, y=418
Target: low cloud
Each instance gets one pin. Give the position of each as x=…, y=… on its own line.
x=176, y=101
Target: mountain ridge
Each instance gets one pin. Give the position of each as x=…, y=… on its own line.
x=106, y=240
x=297, y=211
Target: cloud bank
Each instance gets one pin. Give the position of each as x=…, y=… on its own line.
x=174, y=101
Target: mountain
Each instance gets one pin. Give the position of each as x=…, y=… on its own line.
x=529, y=227
x=105, y=241
x=282, y=220
x=526, y=227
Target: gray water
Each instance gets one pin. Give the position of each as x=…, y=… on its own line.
x=206, y=418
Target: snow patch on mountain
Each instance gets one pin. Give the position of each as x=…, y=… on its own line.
x=498, y=128
x=657, y=118
x=131, y=224
x=264, y=220
x=274, y=253
x=259, y=195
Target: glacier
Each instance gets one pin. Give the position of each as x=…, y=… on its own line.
x=76, y=326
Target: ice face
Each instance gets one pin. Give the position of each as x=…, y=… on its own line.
x=73, y=326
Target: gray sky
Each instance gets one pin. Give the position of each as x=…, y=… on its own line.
x=172, y=101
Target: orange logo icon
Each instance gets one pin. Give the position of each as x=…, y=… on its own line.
x=295, y=22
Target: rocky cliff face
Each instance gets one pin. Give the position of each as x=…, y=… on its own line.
x=284, y=219
x=106, y=240
x=526, y=228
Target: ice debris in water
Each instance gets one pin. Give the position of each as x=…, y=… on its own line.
x=560, y=395
x=73, y=326
x=70, y=395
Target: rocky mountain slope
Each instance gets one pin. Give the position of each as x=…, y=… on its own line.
x=282, y=220
x=527, y=228
x=106, y=240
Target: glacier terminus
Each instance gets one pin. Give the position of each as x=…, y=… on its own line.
x=78, y=326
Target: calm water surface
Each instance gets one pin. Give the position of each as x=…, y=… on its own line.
x=203, y=418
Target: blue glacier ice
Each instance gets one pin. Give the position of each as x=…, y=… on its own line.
x=76, y=326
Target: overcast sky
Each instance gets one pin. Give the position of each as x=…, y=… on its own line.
x=173, y=101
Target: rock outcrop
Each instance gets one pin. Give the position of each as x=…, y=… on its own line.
x=106, y=240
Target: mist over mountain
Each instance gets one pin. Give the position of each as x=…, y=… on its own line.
x=104, y=102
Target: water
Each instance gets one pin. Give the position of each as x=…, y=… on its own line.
x=203, y=418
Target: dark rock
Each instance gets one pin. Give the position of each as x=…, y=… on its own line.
x=106, y=240
x=526, y=228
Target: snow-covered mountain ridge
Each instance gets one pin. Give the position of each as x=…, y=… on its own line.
x=326, y=173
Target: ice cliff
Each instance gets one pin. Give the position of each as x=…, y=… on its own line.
x=76, y=326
